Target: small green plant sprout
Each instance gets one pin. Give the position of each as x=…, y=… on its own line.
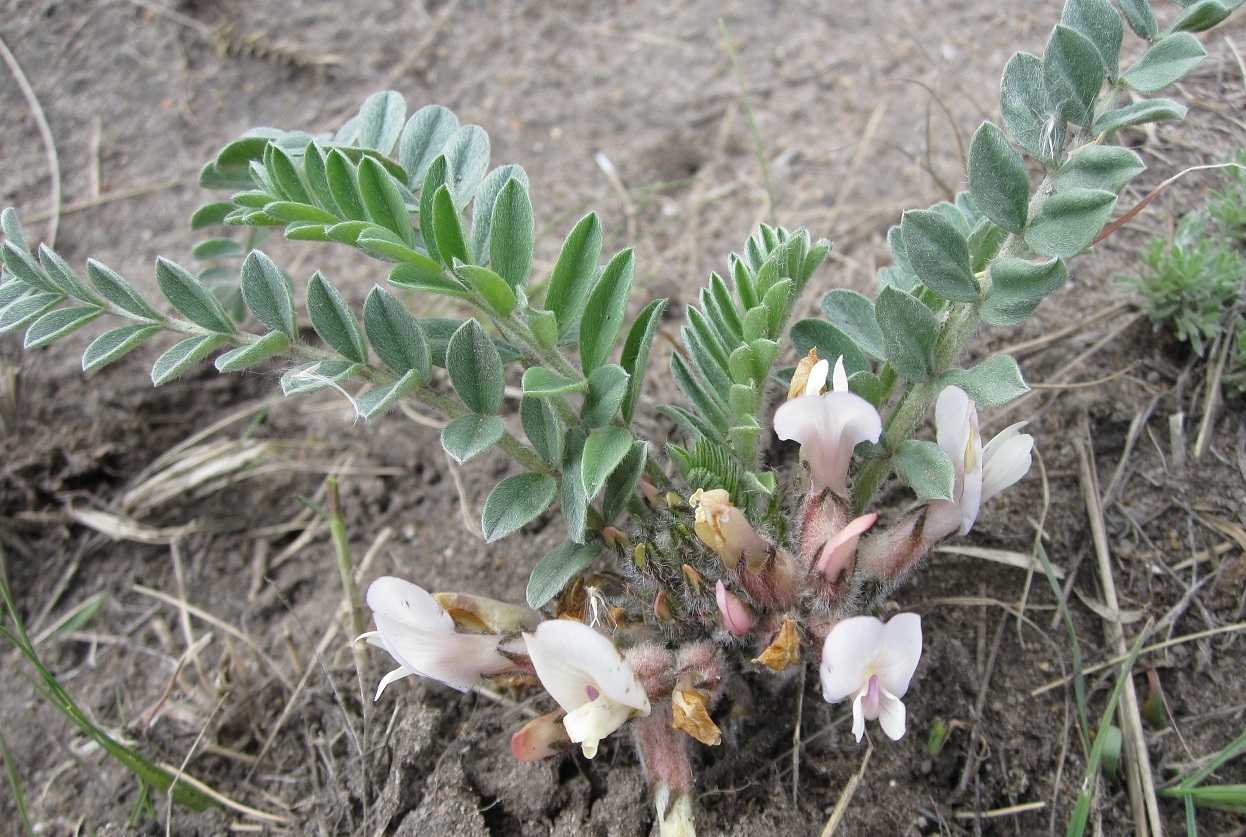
x=1194, y=793
x=1194, y=283
x=687, y=565
x=1228, y=208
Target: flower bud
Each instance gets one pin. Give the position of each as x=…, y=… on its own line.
x=615, y=537
x=479, y=614
x=724, y=528
x=839, y=554
x=693, y=578
x=541, y=738
x=737, y=619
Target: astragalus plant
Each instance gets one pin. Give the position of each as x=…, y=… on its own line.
x=683, y=566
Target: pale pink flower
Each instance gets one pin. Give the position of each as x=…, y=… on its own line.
x=839, y=553
x=419, y=634
x=981, y=472
x=828, y=426
x=872, y=662
x=736, y=617
x=586, y=674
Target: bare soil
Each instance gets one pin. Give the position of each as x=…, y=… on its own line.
x=864, y=109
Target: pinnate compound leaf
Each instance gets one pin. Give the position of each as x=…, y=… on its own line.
x=22, y=265
x=1027, y=109
x=635, y=357
x=607, y=385
x=416, y=277
x=486, y=199
x=395, y=335
x=574, y=272
x=467, y=154
x=113, y=344
x=1138, y=113
x=515, y=502
x=210, y=215
x=244, y=357
x=311, y=377
x=909, y=333
x=119, y=292
x=1140, y=18
x=467, y=437
x=832, y=344
x=1018, y=286
x=218, y=248
x=383, y=202
x=1073, y=73
x=380, y=398
x=64, y=276
x=27, y=309
x=604, y=311
x=623, y=481
x=476, y=369
x=998, y=180
x=188, y=295
x=1166, y=62
x=994, y=381
x=184, y=355
x=542, y=383
x=556, y=569
x=511, y=234
x=423, y=139
x=448, y=228
x=1200, y=16
x=542, y=427
x=284, y=177
x=853, y=314
x=926, y=469
x=344, y=186
x=11, y=226
x=333, y=320
x=381, y=121
x=56, y=324
x=939, y=254
x=1068, y=222
x=269, y=293
x=604, y=449
x=1107, y=167
x=1099, y=21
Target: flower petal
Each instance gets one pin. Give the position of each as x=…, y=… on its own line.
x=898, y=653
x=829, y=427
x=858, y=718
x=892, y=716
x=394, y=676
x=838, y=553
x=839, y=380
x=1006, y=459
x=409, y=605
x=848, y=651
x=458, y=660
x=569, y=657
x=595, y=720
x=817, y=378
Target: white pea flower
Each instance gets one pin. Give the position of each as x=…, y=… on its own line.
x=981, y=472
x=586, y=674
x=419, y=634
x=872, y=662
x=828, y=426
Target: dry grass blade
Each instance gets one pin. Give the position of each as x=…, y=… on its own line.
x=1010, y=811
x=845, y=798
x=45, y=131
x=233, y=805
x=1141, y=782
x=1008, y=558
x=218, y=622
x=118, y=527
x=212, y=465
